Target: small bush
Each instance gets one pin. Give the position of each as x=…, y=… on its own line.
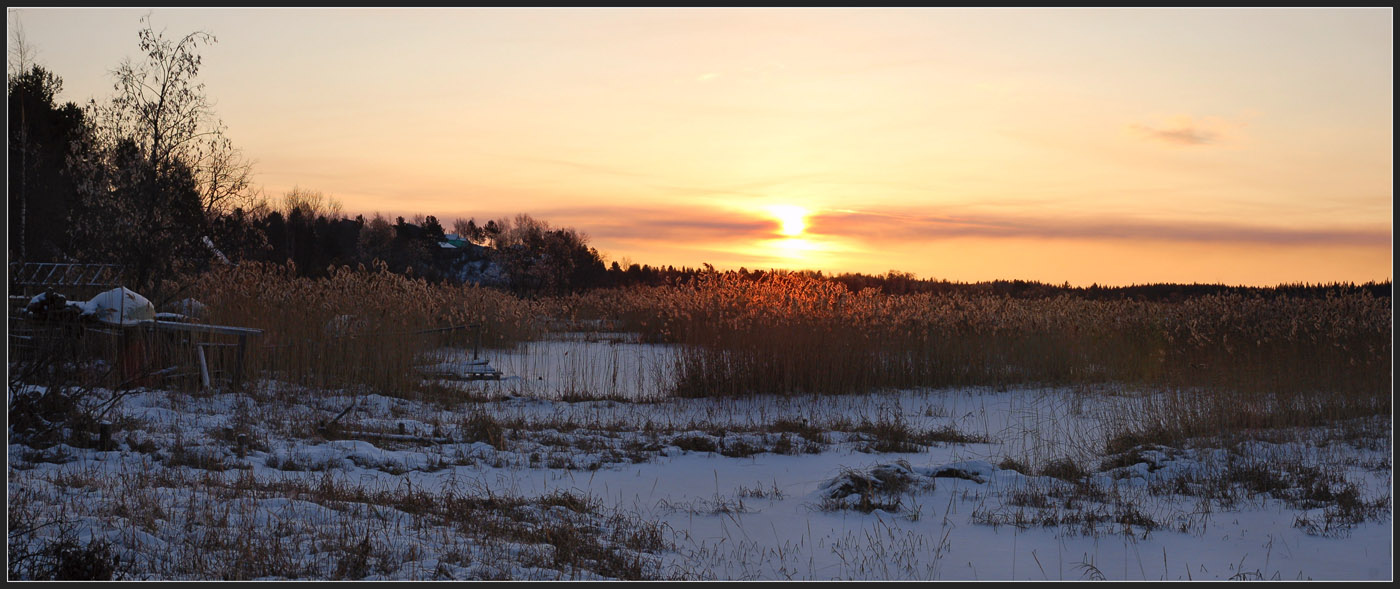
x=739, y=448
x=801, y=427
x=481, y=427
x=1009, y=463
x=695, y=443
x=63, y=559
x=891, y=434
x=1063, y=469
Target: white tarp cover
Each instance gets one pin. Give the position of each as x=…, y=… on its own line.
x=188, y=307
x=119, y=306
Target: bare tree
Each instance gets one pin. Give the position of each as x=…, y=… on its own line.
x=158, y=102
x=258, y=205
x=21, y=55
x=159, y=145
x=461, y=227
x=311, y=203
x=161, y=107
x=225, y=178
x=468, y=230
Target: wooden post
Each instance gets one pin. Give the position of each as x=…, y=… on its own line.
x=104, y=435
x=203, y=367
x=476, y=353
x=238, y=362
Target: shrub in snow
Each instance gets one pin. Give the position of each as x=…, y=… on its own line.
x=888, y=479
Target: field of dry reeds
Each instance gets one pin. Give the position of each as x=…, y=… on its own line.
x=356, y=328
x=1223, y=361
x=1217, y=363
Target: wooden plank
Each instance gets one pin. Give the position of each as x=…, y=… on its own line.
x=201, y=328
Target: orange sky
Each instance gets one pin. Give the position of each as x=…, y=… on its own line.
x=1110, y=146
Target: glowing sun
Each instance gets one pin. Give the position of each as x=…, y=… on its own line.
x=793, y=219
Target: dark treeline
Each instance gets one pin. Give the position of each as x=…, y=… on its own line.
x=898, y=283
x=904, y=283
x=525, y=255
x=148, y=180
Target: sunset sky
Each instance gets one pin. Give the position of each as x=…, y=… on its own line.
x=1123, y=146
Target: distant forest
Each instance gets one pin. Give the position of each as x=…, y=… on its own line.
x=150, y=181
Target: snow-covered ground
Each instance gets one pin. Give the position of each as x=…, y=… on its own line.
x=527, y=481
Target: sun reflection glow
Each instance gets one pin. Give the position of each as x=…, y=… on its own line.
x=795, y=249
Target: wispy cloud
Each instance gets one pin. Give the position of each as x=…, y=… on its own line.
x=1185, y=131
x=877, y=226
x=1180, y=135
x=679, y=225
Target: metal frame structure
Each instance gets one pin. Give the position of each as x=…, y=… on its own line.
x=31, y=278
